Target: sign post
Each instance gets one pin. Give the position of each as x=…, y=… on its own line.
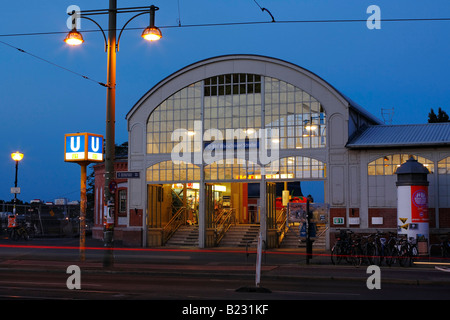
x=83, y=148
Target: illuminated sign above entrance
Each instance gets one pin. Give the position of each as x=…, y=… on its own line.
x=79, y=147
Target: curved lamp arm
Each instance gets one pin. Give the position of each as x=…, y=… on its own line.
x=103, y=32
x=123, y=28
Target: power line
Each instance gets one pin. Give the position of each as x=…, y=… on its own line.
x=54, y=64
x=195, y=26
x=239, y=23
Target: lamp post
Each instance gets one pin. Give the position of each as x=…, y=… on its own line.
x=16, y=156
x=151, y=33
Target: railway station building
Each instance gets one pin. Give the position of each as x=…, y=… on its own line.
x=215, y=143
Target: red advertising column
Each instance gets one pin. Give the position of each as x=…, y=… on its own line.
x=412, y=201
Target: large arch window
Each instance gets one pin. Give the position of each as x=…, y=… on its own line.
x=179, y=111
x=170, y=171
x=388, y=164
x=299, y=168
x=238, y=101
x=237, y=169
x=286, y=168
x=299, y=116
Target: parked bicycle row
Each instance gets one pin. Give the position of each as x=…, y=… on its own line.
x=373, y=249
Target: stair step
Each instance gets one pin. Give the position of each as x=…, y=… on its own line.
x=241, y=236
x=292, y=239
x=184, y=236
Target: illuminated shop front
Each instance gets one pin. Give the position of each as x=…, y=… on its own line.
x=183, y=131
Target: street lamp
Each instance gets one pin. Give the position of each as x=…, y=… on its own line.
x=16, y=156
x=152, y=33
x=74, y=37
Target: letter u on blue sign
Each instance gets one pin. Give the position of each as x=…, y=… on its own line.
x=75, y=144
x=94, y=144
x=75, y=148
x=95, y=148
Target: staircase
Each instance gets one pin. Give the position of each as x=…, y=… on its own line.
x=241, y=235
x=186, y=236
x=292, y=238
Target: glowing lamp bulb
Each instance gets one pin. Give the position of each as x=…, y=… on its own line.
x=151, y=34
x=17, y=156
x=74, y=38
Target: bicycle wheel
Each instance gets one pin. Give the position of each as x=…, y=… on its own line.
x=403, y=257
x=413, y=253
x=336, y=254
x=356, y=256
x=370, y=253
x=376, y=255
x=388, y=258
x=393, y=256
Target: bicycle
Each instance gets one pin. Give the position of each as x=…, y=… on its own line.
x=19, y=232
x=341, y=247
x=356, y=252
x=393, y=248
x=445, y=247
x=407, y=252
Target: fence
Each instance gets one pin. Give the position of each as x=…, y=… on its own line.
x=49, y=220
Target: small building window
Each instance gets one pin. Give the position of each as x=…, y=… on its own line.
x=122, y=201
x=444, y=166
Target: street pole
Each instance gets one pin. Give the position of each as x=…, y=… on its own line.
x=83, y=203
x=110, y=128
x=15, y=186
x=308, y=231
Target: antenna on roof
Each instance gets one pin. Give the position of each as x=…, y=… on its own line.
x=387, y=115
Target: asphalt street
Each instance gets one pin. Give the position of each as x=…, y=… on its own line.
x=37, y=269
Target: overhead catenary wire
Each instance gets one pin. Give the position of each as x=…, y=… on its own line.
x=52, y=63
x=197, y=26
x=265, y=9
x=240, y=23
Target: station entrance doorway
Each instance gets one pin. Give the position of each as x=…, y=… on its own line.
x=226, y=205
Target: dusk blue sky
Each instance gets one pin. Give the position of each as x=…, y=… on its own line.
x=404, y=65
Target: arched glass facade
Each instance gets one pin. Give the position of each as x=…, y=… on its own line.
x=244, y=103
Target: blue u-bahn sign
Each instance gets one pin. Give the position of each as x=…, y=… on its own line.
x=80, y=147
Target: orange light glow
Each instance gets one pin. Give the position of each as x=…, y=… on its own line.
x=74, y=38
x=17, y=156
x=151, y=34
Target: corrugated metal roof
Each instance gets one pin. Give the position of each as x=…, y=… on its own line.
x=429, y=134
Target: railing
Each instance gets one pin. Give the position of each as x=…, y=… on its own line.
x=174, y=223
x=223, y=222
x=322, y=232
x=282, y=227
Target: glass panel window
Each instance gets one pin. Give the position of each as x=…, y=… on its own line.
x=122, y=201
x=299, y=117
x=170, y=171
x=388, y=164
x=241, y=103
x=179, y=111
x=444, y=166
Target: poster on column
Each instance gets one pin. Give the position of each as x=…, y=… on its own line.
x=419, y=204
x=297, y=212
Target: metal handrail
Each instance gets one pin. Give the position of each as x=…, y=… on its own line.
x=174, y=223
x=224, y=224
x=281, y=224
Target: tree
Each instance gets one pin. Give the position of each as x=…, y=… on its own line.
x=90, y=187
x=442, y=116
